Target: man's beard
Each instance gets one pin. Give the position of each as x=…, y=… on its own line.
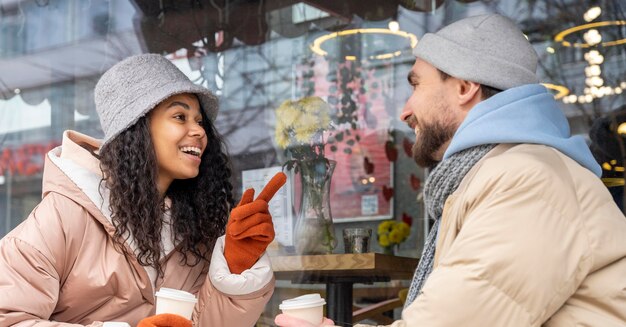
x=430, y=139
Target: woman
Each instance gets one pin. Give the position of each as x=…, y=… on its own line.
x=141, y=210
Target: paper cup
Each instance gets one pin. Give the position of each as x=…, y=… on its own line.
x=308, y=307
x=174, y=301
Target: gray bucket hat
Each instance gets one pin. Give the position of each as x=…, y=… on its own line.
x=135, y=85
x=487, y=49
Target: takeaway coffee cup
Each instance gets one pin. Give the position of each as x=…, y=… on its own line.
x=174, y=301
x=309, y=307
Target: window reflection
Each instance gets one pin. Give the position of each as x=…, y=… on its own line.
x=255, y=55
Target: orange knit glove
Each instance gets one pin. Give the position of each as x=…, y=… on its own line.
x=250, y=229
x=165, y=320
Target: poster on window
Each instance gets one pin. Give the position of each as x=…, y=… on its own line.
x=280, y=206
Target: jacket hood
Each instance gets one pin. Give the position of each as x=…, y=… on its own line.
x=72, y=171
x=524, y=114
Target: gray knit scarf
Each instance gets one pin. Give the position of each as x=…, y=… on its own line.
x=442, y=181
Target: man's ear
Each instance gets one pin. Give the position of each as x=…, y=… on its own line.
x=468, y=93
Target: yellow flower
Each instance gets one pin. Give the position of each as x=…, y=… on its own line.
x=305, y=128
x=282, y=140
x=395, y=236
x=287, y=114
x=404, y=229
x=324, y=120
x=303, y=134
x=392, y=232
x=317, y=108
x=385, y=226
x=383, y=240
x=281, y=134
x=315, y=105
x=301, y=123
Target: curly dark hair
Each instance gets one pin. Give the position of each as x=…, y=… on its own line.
x=200, y=206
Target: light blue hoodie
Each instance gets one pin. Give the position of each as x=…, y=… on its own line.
x=523, y=114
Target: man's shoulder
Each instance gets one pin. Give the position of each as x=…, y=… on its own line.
x=529, y=168
x=525, y=156
x=534, y=170
x=522, y=162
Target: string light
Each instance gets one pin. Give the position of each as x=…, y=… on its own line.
x=592, y=13
x=560, y=37
x=592, y=37
x=593, y=70
x=595, y=87
x=316, y=46
x=394, y=26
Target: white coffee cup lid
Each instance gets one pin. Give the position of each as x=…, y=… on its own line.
x=303, y=302
x=174, y=294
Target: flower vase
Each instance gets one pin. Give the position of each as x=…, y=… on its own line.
x=389, y=250
x=314, y=232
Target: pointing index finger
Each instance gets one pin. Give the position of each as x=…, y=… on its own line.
x=273, y=186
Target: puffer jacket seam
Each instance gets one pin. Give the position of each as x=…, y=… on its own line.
x=522, y=307
x=32, y=247
x=582, y=224
x=63, y=276
x=583, y=258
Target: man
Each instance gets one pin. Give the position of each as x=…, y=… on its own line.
x=525, y=232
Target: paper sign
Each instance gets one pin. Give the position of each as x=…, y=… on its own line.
x=369, y=205
x=280, y=205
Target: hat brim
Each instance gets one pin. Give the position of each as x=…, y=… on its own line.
x=208, y=101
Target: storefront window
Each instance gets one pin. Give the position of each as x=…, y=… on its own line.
x=271, y=63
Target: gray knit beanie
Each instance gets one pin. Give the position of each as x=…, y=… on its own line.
x=487, y=49
x=135, y=85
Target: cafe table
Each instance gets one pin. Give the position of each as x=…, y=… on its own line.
x=340, y=272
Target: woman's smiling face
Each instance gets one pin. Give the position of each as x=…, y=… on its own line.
x=179, y=138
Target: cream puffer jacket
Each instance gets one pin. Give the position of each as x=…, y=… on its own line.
x=529, y=238
x=60, y=267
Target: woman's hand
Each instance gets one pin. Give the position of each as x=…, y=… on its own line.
x=284, y=320
x=165, y=320
x=250, y=229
